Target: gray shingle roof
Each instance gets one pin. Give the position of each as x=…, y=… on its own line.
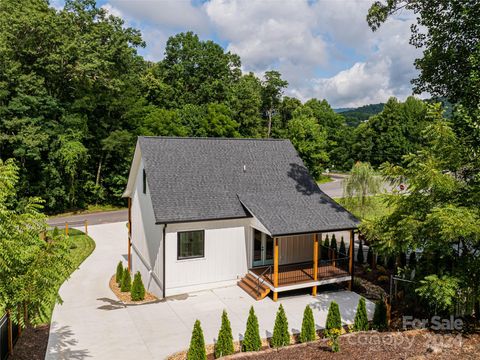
x=193, y=179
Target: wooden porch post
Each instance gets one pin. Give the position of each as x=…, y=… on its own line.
x=129, y=256
x=315, y=262
x=275, y=267
x=351, y=255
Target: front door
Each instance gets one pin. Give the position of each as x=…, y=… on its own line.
x=262, y=248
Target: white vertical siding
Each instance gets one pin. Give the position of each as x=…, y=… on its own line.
x=225, y=258
x=147, y=246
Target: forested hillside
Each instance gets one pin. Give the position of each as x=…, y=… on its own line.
x=355, y=116
x=75, y=94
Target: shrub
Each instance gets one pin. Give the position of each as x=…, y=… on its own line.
x=380, y=315
x=403, y=259
x=360, y=257
x=412, y=261
x=361, y=319
x=381, y=270
x=357, y=283
x=383, y=279
x=281, y=336
x=370, y=256
x=251, y=340
x=308, y=326
x=224, y=345
x=342, y=250
x=333, y=336
x=333, y=244
x=325, y=247
x=197, y=351
x=126, y=284
x=119, y=273
x=334, y=321
x=138, y=290
x=391, y=263
x=380, y=261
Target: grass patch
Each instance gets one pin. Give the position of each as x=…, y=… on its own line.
x=324, y=179
x=82, y=246
x=90, y=209
x=377, y=206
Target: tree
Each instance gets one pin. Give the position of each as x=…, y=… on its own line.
x=272, y=91
x=342, y=250
x=360, y=257
x=126, y=284
x=308, y=332
x=370, y=256
x=309, y=139
x=224, y=344
x=281, y=336
x=119, y=273
x=138, y=289
x=361, y=318
x=380, y=321
x=325, y=247
x=333, y=245
x=412, y=260
x=30, y=267
x=334, y=320
x=197, y=351
x=447, y=33
x=441, y=292
x=362, y=183
x=251, y=339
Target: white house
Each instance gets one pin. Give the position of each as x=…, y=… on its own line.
x=210, y=212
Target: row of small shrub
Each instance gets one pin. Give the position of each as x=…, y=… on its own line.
x=124, y=281
x=331, y=246
x=281, y=336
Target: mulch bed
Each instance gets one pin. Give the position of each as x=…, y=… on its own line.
x=125, y=297
x=32, y=344
x=415, y=344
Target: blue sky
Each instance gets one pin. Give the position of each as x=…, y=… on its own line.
x=323, y=48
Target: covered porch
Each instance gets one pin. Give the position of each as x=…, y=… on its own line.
x=325, y=267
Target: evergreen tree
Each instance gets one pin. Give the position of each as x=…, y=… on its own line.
x=391, y=262
x=334, y=320
x=281, y=336
x=197, y=351
x=126, y=281
x=342, y=250
x=308, y=326
x=370, y=256
x=360, y=258
x=333, y=245
x=361, y=318
x=403, y=259
x=325, y=247
x=224, y=345
x=138, y=290
x=251, y=340
x=380, y=321
x=119, y=273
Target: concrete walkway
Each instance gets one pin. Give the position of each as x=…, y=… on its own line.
x=91, y=323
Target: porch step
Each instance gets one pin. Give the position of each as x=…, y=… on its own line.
x=249, y=284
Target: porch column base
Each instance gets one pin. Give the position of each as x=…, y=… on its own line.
x=275, y=296
x=314, y=291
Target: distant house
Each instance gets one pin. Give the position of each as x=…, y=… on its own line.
x=208, y=212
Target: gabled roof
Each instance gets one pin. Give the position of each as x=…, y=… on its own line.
x=195, y=179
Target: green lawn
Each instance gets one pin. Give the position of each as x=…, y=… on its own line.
x=378, y=207
x=81, y=248
x=90, y=209
x=324, y=179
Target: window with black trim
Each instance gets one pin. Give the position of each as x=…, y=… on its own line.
x=190, y=244
x=144, y=182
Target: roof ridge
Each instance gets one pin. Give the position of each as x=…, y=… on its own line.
x=207, y=138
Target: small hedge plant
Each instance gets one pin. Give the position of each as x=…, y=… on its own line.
x=224, y=345
x=281, y=336
x=380, y=321
x=308, y=332
x=197, y=351
x=342, y=250
x=251, y=340
x=360, y=257
x=361, y=318
x=324, y=248
x=126, y=284
x=119, y=273
x=334, y=320
x=333, y=245
x=138, y=290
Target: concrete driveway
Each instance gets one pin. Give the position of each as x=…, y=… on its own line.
x=91, y=323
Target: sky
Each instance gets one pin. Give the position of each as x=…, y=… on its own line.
x=323, y=48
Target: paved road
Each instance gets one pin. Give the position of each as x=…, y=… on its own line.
x=92, y=324
x=334, y=188
x=105, y=217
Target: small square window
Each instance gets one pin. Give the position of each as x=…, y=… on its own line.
x=191, y=244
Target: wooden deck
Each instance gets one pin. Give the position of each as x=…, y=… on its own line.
x=293, y=274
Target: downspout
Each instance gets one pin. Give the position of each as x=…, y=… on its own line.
x=164, y=267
